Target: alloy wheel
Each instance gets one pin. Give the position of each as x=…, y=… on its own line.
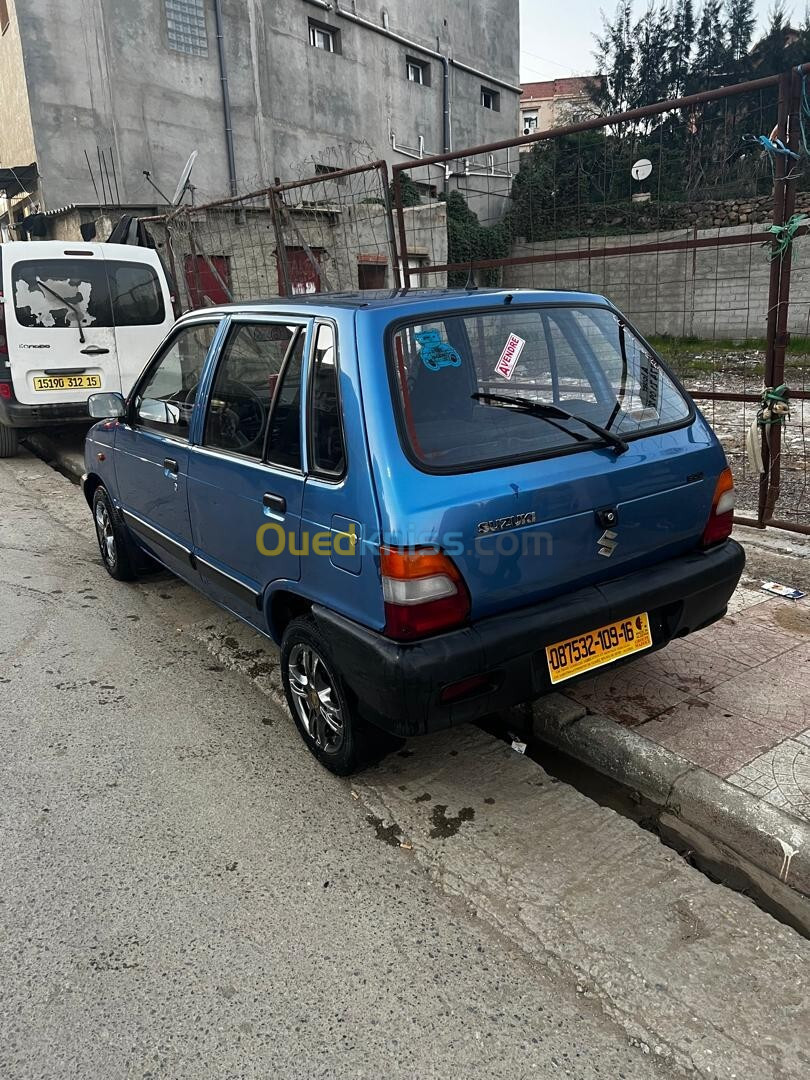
x=106, y=536
x=316, y=699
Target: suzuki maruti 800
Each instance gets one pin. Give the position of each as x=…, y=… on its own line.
x=439, y=503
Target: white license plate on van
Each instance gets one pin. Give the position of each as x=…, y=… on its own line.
x=67, y=382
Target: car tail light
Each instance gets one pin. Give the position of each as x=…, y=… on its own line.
x=5, y=391
x=721, y=518
x=423, y=592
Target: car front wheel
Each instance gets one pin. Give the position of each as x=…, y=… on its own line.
x=113, y=540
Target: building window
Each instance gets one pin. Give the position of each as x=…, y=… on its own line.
x=529, y=123
x=185, y=23
x=372, y=271
x=324, y=37
x=490, y=99
x=417, y=71
x=3, y=16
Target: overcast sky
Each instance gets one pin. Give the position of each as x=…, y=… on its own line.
x=555, y=40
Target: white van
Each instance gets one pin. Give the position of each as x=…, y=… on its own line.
x=74, y=319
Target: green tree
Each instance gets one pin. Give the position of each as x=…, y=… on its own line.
x=712, y=57
x=682, y=42
x=614, y=55
x=740, y=22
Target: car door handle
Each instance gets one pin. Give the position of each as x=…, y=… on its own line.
x=170, y=464
x=275, y=502
x=94, y=350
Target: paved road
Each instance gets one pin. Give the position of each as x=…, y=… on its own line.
x=185, y=893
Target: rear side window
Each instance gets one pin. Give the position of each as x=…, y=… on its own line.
x=284, y=437
x=244, y=386
x=581, y=359
x=60, y=292
x=328, y=450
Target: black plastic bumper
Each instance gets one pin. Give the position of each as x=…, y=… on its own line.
x=15, y=415
x=398, y=686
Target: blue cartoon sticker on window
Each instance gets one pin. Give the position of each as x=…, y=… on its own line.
x=434, y=353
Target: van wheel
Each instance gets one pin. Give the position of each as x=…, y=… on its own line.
x=9, y=441
x=113, y=540
x=319, y=702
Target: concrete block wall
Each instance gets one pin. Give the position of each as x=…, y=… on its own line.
x=713, y=293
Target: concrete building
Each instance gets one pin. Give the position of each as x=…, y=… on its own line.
x=260, y=88
x=555, y=102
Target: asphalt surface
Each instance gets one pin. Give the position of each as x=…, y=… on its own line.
x=185, y=893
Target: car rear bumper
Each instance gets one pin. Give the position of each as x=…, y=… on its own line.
x=15, y=415
x=398, y=686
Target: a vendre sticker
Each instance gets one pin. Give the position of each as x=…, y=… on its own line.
x=509, y=357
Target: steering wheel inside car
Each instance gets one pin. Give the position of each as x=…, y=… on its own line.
x=237, y=416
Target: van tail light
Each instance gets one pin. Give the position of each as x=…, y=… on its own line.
x=3, y=341
x=424, y=593
x=5, y=391
x=721, y=518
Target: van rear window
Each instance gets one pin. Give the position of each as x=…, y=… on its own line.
x=583, y=360
x=57, y=292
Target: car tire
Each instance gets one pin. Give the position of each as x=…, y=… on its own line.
x=9, y=441
x=321, y=705
x=114, y=542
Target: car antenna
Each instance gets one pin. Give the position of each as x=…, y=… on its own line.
x=471, y=285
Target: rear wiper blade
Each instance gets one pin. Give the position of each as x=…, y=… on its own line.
x=68, y=304
x=537, y=408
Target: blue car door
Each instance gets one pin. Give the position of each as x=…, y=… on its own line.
x=245, y=472
x=152, y=446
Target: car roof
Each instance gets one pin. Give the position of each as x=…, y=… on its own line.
x=400, y=300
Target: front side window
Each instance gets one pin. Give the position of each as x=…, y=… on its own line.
x=244, y=386
x=580, y=359
x=165, y=400
x=328, y=450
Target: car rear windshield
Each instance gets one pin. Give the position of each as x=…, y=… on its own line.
x=102, y=293
x=583, y=360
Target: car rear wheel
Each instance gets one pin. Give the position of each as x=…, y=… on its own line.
x=9, y=441
x=319, y=702
x=113, y=540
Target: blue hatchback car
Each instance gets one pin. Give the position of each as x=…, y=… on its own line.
x=437, y=502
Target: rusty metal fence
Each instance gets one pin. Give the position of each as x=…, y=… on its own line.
x=684, y=213
x=328, y=232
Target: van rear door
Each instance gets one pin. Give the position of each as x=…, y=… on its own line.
x=141, y=307
x=59, y=322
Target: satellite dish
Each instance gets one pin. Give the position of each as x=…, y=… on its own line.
x=184, y=178
x=641, y=169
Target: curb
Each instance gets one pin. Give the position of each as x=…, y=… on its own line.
x=69, y=463
x=774, y=843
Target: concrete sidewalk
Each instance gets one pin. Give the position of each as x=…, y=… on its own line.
x=733, y=699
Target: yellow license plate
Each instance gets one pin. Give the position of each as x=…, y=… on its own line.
x=591, y=650
x=67, y=382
